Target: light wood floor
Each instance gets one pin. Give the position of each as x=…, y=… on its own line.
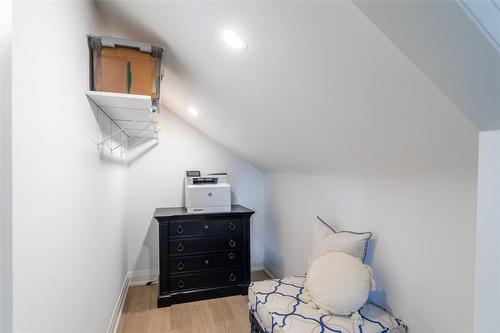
x=220, y=315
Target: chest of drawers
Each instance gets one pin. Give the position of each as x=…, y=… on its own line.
x=203, y=256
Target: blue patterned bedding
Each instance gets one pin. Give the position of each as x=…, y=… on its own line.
x=280, y=307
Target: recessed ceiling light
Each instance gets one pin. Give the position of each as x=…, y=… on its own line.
x=193, y=111
x=234, y=40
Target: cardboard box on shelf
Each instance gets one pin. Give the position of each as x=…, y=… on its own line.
x=124, y=70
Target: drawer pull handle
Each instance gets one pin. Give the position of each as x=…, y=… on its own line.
x=207, y=261
x=232, y=243
x=180, y=247
x=232, y=277
x=232, y=226
x=180, y=284
x=180, y=266
x=231, y=255
x=180, y=229
x=206, y=226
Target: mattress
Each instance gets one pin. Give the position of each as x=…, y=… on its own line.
x=280, y=307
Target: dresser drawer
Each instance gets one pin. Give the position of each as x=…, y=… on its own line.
x=205, y=244
x=203, y=280
x=204, y=262
x=204, y=227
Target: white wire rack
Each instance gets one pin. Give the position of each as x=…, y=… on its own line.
x=132, y=120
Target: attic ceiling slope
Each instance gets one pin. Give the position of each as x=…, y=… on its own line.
x=449, y=48
x=319, y=88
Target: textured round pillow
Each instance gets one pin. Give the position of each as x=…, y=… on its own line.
x=339, y=283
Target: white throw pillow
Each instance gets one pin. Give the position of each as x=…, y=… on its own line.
x=338, y=283
x=326, y=239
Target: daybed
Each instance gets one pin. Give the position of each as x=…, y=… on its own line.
x=279, y=306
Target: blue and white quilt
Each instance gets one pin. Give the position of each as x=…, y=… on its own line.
x=280, y=307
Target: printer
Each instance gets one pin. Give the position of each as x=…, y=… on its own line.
x=209, y=193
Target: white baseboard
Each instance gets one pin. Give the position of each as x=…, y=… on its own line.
x=132, y=278
x=139, y=278
x=117, y=311
x=257, y=268
x=272, y=271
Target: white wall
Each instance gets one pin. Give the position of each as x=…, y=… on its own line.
x=5, y=168
x=487, y=302
x=444, y=42
x=155, y=179
x=69, y=236
x=423, y=221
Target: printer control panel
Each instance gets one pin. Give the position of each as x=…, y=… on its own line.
x=193, y=173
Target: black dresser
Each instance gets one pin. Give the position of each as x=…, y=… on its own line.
x=203, y=255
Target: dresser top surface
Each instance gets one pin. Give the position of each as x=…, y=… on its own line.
x=181, y=211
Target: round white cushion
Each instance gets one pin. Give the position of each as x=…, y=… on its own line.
x=339, y=283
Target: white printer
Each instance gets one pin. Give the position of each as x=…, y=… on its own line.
x=207, y=194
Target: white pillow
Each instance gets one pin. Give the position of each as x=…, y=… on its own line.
x=326, y=239
x=339, y=283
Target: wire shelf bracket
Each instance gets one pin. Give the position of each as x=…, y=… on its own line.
x=133, y=116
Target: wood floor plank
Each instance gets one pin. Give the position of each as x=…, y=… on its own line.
x=181, y=316
x=202, y=319
x=220, y=310
x=227, y=314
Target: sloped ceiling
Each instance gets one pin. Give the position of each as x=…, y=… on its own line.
x=319, y=89
x=449, y=48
